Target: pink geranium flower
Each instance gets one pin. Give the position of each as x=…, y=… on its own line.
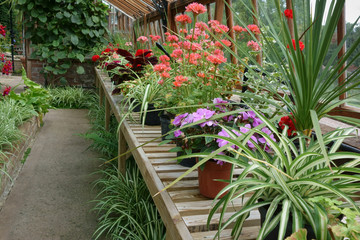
x=288, y=13
x=154, y=38
x=216, y=59
x=253, y=45
x=196, y=8
x=301, y=45
x=254, y=28
x=142, y=39
x=183, y=19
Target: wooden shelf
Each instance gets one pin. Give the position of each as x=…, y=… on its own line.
x=183, y=210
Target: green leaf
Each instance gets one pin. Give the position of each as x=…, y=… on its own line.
x=91, y=34
x=59, y=15
x=55, y=43
x=85, y=31
x=43, y=18
x=61, y=54
x=75, y=19
x=95, y=19
x=34, y=13
x=65, y=65
x=176, y=149
x=21, y=2
x=96, y=33
x=74, y=39
x=80, y=56
x=80, y=70
x=89, y=22
x=67, y=14
x=30, y=6
x=63, y=81
x=299, y=235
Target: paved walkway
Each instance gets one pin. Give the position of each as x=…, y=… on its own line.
x=50, y=199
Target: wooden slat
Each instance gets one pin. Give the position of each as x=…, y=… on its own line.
x=248, y=233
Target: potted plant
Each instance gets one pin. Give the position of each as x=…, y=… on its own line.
x=140, y=95
x=230, y=123
x=285, y=180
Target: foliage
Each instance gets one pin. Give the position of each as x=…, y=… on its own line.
x=34, y=95
x=349, y=227
x=311, y=84
x=299, y=235
x=63, y=31
x=126, y=207
x=102, y=141
x=71, y=97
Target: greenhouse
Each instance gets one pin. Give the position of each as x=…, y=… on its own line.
x=180, y=119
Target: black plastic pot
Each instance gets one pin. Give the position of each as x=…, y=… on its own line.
x=273, y=235
x=165, y=125
x=152, y=118
x=186, y=162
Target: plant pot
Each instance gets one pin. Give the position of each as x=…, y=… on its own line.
x=165, y=125
x=186, y=162
x=152, y=118
x=273, y=235
x=208, y=185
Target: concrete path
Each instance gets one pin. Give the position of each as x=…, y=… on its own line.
x=12, y=81
x=50, y=198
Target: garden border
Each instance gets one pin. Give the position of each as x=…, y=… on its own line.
x=14, y=163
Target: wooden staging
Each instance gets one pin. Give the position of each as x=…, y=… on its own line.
x=183, y=210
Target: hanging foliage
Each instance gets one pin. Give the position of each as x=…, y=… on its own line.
x=63, y=31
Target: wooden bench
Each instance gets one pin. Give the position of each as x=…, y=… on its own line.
x=183, y=210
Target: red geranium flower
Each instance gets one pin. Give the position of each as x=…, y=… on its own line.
x=95, y=58
x=288, y=13
x=141, y=52
x=301, y=44
x=288, y=122
x=6, y=91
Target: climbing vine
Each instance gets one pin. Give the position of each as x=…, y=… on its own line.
x=63, y=31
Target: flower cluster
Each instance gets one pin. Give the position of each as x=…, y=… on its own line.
x=6, y=91
x=287, y=121
x=243, y=33
x=230, y=126
x=2, y=31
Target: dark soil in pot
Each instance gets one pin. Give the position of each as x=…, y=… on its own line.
x=152, y=118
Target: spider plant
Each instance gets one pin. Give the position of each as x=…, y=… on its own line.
x=298, y=169
x=70, y=97
x=312, y=84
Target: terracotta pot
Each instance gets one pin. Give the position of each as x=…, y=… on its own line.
x=208, y=185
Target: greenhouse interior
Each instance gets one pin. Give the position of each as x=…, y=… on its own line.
x=180, y=119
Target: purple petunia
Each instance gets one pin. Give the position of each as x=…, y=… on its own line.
x=221, y=103
x=177, y=133
x=178, y=119
x=203, y=113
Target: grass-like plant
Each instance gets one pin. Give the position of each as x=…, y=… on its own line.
x=71, y=97
x=126, y=207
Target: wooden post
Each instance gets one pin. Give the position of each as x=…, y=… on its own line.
x=119, y=21
x=171, y=20
x=290, y=21
x=219, y=10
x=101, y=95
x=230, y=24
x=107, y=115
x=341, y=29
x=121, y=150
x=208, y=11
x=256, y=22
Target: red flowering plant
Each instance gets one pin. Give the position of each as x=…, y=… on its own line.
x=122, y=65
x=5, y=65
x=196, y=70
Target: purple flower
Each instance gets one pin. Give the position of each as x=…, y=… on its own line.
x=250, y=144
x=188, y=119
x=257, y=122
x=177, y=133
x=263, y=140
x=220, y=101
x=223, y=133
x=179, y=118
x=208, y=123
x=246, y=128
x=202, y=113
x=247, y=115
x=220, y=162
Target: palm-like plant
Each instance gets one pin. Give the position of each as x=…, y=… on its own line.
x=312, y=85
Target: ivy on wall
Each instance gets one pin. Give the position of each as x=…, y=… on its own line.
x=63, y=31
